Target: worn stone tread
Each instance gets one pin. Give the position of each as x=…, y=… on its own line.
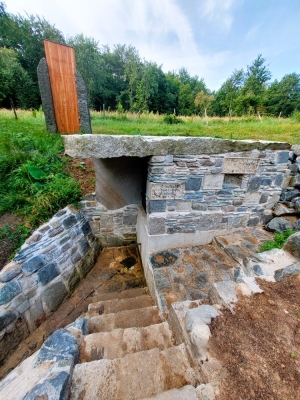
x=125, y=294
x=117, y=305
x=187, y=392
x=119, y=342
x=135, y=376
x=138, y=317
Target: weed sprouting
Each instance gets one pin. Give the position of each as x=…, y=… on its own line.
x=278, y=242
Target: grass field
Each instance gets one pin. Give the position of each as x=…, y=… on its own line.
x=286, y=130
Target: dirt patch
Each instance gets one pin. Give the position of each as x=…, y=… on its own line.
x=259, y=346
x=82, y=169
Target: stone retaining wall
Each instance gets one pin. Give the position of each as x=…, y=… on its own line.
x=190, y=193
x=47, y=269
x=111, y=227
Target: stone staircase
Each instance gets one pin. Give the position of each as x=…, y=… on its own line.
x=129, y=353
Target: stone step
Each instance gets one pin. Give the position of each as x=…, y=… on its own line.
x=117, y=305
x=187, y=392
x=243, y=244
x=119, y=342
x=125, y=294
x=135, y=376
x=138, y=318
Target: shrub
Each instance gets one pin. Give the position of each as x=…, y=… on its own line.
x=172, y=119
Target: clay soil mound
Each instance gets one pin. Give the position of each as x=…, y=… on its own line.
x=259, y=346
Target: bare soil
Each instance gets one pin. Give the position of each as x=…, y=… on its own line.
x=259, y=346
x=82, y=169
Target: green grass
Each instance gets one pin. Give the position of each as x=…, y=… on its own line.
x=284, y=130
x=278, y=242
x=33, y=182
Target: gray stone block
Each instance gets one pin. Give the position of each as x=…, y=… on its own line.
x=156, y=206
x=204, y=313
x=279, y=225
x=288, y=195
x=283, y=157
x=161, y=279
x=60, y=346
x=223, y=293
x=297, y=225
x=253, y=221
x=279, y=179
x=254, y=184
x=69, y=221
x=33, y=265
x=6, y=276
x=257, y=269
x=53, y=296
x=292, y=245
x=287, y=271
x=156, y=226
x=86, y=229
x=8, y=291
x=83, y=245
x=281, y=209
x=48, y=273
x=193, y=196
x=7, y=318
x=54, y=387
x=193, y=183
x=83, y=104
x=46, y=95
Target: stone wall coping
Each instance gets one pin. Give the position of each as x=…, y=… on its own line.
x=109, y=146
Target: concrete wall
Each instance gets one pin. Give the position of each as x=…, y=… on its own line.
x=47, y=269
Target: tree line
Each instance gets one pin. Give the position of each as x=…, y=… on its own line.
x=120, y=79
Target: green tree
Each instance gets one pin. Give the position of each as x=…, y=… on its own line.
x=225, y=98
x=284, y=97
x=203, y=101
x=15, y=83
x=25, y=35
x=252, y=95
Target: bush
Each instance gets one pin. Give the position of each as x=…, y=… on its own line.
x=172, y=119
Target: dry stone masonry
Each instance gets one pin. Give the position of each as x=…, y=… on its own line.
x=190, y=193
x=47, y=268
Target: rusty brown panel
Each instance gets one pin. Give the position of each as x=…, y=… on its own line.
x=61, y=64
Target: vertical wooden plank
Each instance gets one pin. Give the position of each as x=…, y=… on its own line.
x=61, y=64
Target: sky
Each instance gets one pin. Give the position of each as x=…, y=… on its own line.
x=210, y=38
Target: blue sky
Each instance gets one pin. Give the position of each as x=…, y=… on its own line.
x=210, y=38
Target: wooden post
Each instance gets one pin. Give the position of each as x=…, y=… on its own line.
x=13, y=107
x=259, y=116
x=206, y=116
x=103, y=110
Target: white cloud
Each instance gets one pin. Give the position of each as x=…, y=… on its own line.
x=218, y=11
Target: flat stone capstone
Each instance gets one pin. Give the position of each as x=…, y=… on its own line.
x=109, y=146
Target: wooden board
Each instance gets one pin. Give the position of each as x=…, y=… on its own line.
x=61, y=64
